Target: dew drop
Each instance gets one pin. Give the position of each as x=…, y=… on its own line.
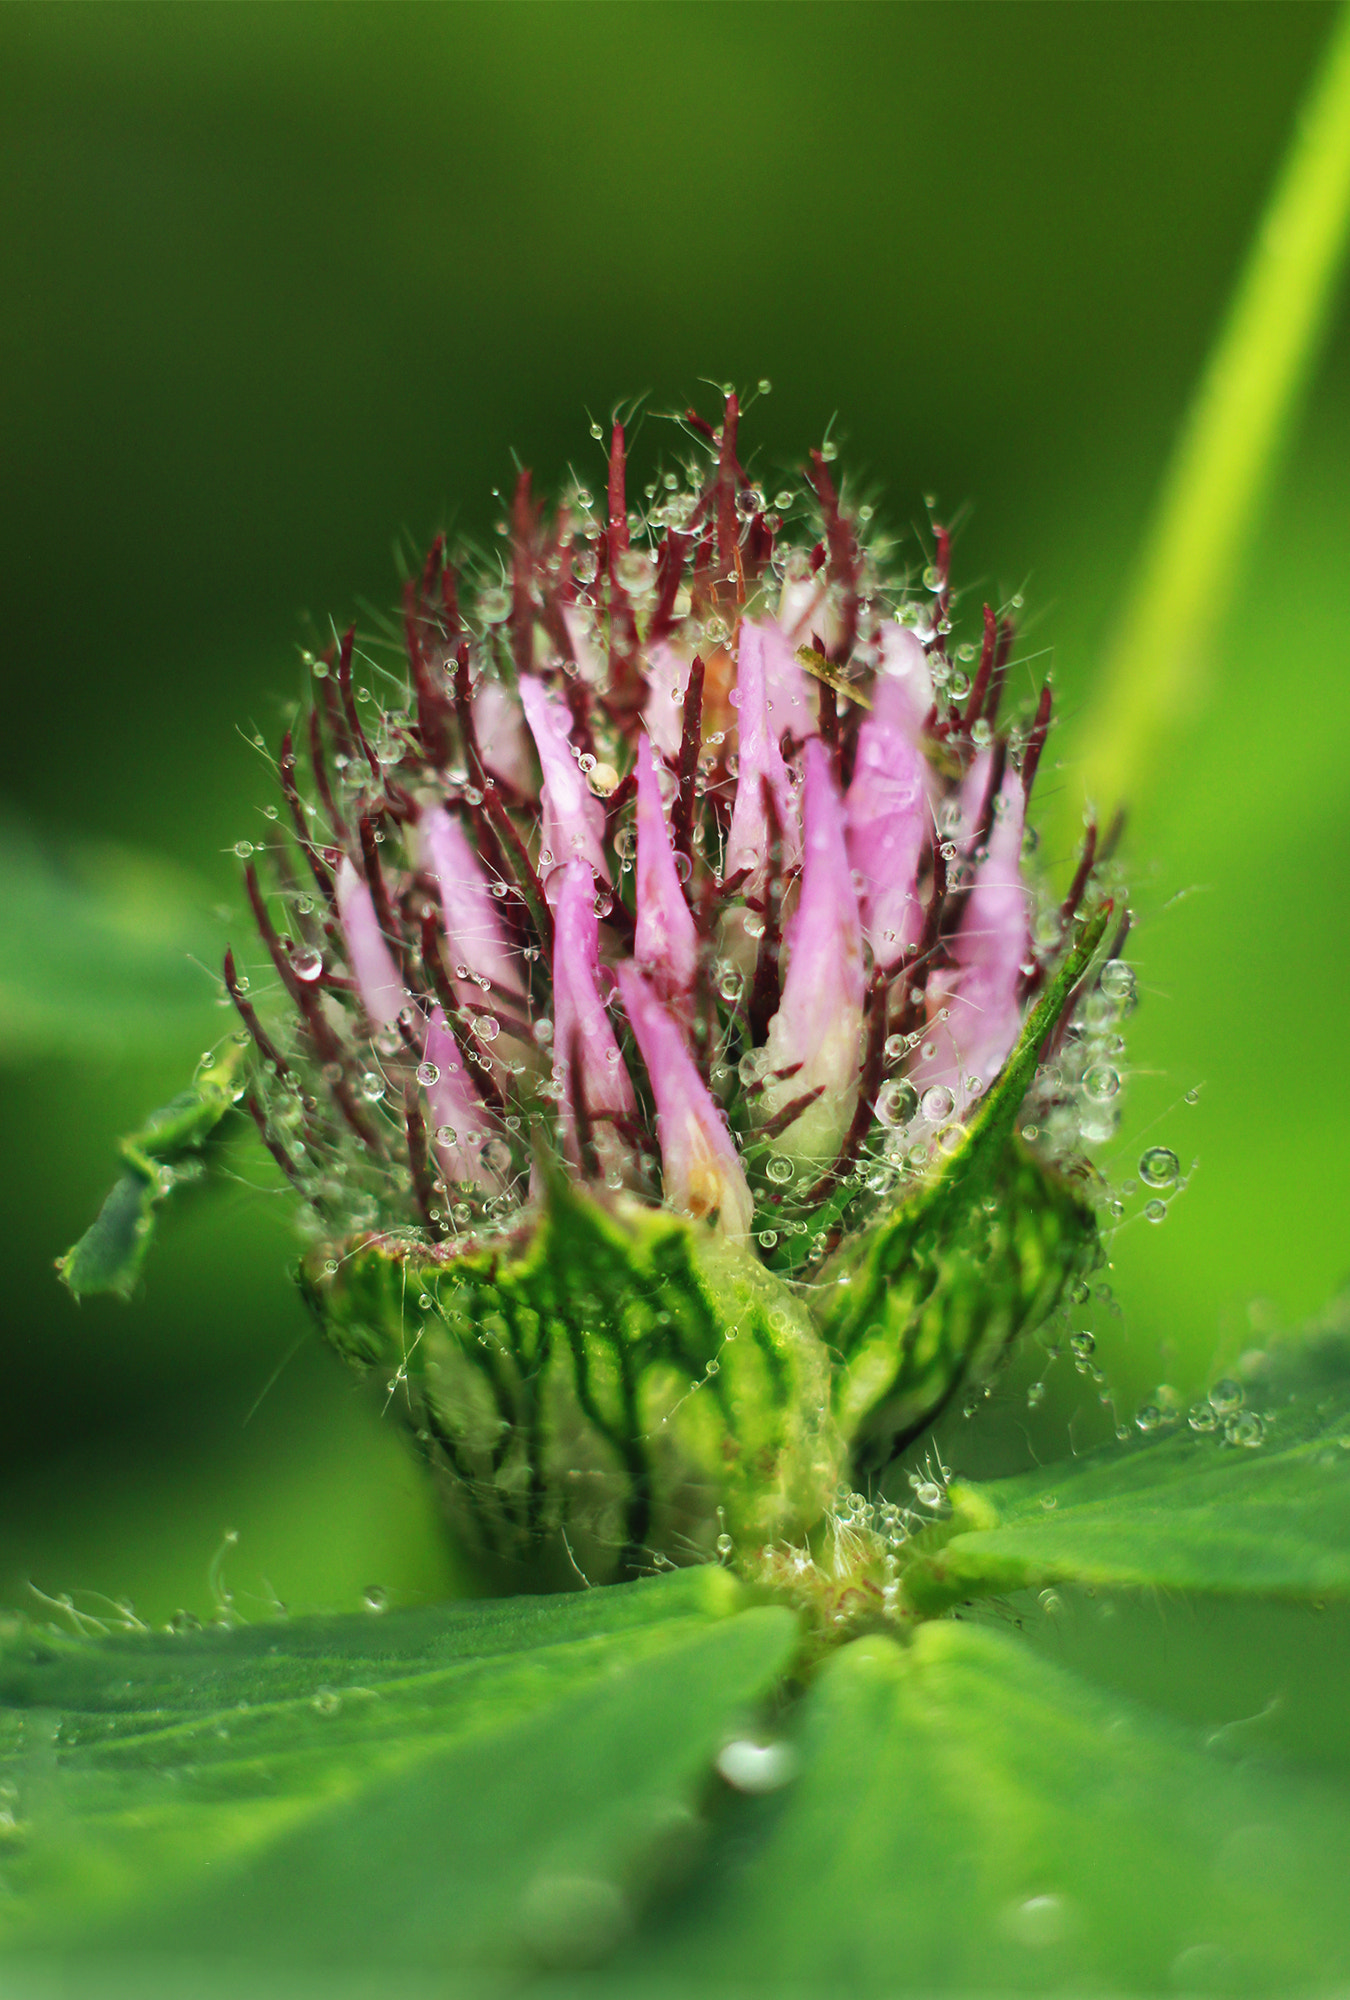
x=1101, y=1083
x=780, y=1169
x=898, y=1101
x=428, y=1073
x=937, y=1103
x=1037, y=1922
x=1117, y=982
x=1159, y=1167
x=375, y=1597
x=307, y=965
x=756, y=1767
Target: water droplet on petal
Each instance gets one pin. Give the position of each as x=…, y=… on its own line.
x=897, y=1102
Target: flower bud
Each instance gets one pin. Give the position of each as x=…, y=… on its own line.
x=679, y=1065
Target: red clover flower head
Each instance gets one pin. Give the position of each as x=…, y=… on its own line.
x=683, y=1064
x=688, y=855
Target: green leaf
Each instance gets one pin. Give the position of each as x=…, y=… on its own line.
x=99, y=952
x=1206, y=1511
x=969, y=1818
x=161, y=1156
x=479, y=1785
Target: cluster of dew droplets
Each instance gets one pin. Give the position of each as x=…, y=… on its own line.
x=853, y=1572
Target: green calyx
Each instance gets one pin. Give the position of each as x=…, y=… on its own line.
x=616, y=1387
x=613, y=1387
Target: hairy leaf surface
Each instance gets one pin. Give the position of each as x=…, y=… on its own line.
x=483, y=1785
x=1180, y=1511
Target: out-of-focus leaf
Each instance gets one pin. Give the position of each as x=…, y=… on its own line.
x=98, y=952
x=1258, y=1505
x=163, y=1154
x=969, y=1818
x=483, y=1785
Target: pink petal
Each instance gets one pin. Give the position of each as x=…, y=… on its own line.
x=666, y=940
x=585, y=651
x=667, y=677
x=819, y=1021
x=982, y=994
x=700, y=1167
x=474, y=931
x=791, y=692
x=806, y=614
x=502, y=737
x=454, y=1106
x=888, y=823
x=582, y=1033
x=904, y=665
x=760, y=762
x=573, y=818
x=378, y=980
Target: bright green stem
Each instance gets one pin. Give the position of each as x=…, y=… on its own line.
x=1154, y=674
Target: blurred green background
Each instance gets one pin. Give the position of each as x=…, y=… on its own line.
x=284, y=288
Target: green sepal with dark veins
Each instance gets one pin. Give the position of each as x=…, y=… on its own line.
x=930, y=1295
x=612, y=1386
